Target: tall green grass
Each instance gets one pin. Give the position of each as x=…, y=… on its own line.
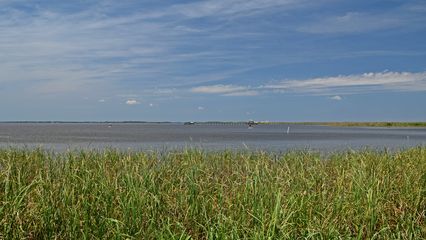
x=204, y=195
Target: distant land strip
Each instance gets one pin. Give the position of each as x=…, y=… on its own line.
x=334, y=124
x=356, y=124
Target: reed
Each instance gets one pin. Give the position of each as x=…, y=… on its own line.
x=192, y=194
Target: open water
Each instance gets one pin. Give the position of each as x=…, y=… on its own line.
x=170, y=136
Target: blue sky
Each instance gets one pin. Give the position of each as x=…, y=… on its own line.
x=267, y=60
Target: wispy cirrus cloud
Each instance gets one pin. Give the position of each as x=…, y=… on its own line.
x=233, y=7
x=218, y=89
x=408, y=15
x=110, y=45
x=242, y=93
x=165, y=50
x=52, y=50
x=357, y=83
x=352, y=22
x=226, y=90
x=342, y=84
x=415, y=6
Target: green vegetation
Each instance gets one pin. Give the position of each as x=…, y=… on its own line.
x=376, y=124
x=357, y=124
x=205, y=195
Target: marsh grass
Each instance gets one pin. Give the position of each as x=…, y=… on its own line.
x=355, y=124
x=376, y=124
x=205, y=195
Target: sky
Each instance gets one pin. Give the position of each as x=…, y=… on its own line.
x=218, y=60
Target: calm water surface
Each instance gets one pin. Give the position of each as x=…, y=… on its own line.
x=141, y=136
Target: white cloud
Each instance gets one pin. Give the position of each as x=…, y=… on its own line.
x=337, y=98
x=151, y=105
x=149, y=51
x=218, y=89
x=361, y=83
x=200, y=108
x=226, y=90
x=101, y=100
x=232, y=7
x=132, y=102
x=341, y=84
x=50, y=51
x=241, y=94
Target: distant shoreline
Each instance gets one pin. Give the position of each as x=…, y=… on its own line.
x=358, y=124
x=332, y=124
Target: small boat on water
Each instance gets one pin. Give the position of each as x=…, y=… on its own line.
x=189, y=123
x=251, y=123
